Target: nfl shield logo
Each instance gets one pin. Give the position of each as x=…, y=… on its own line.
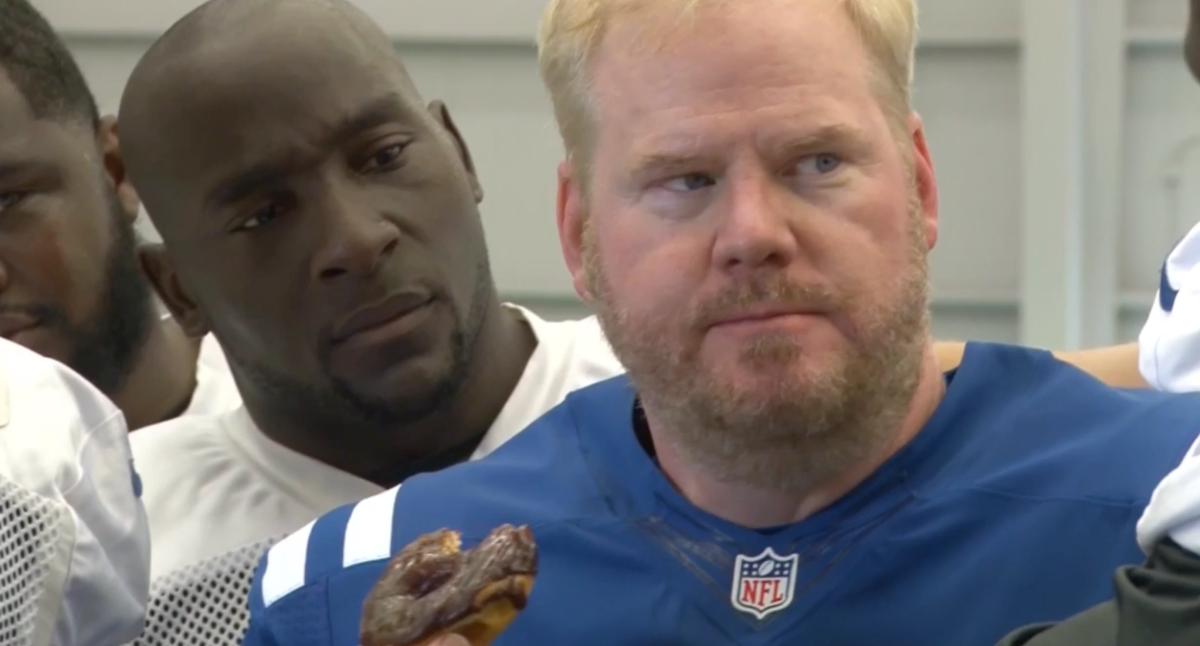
x=763, y=584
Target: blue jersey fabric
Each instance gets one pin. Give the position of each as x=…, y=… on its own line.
x=1012, y=506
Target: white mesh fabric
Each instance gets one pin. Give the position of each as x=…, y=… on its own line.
x=30, y=531
x=206, y=604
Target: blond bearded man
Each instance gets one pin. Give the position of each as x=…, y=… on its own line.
x=748, y=201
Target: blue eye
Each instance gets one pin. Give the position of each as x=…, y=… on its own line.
x=690, y=182
x=822, y=164
x=827, y=163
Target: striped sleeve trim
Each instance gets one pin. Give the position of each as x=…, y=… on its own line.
x=364, y=535
x=369, y=531
x=1166, y=293
x=286, y=561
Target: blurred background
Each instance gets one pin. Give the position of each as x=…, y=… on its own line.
x=1065, y=133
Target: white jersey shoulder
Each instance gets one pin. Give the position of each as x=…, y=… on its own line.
x=215, y=390
x=1169, y=360
x=1174, y=509
x=213, y=483
x=1169, y=344
x=65, y=444
x=569, y=355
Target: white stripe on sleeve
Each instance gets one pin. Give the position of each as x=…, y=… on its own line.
x=285, y=566
x=369, y=530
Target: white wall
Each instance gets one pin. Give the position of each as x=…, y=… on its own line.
x=976, y=92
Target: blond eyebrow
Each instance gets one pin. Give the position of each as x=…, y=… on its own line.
x=829, y=138
x=664, y=163
x=833, y=136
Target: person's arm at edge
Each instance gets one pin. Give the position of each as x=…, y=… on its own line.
x=1114, y=365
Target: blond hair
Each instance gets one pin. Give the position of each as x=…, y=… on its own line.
x=572, y=31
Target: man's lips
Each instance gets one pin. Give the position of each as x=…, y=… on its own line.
x=760, y=314
x=12, y=323
x=378, y=313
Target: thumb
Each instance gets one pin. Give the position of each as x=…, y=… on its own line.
x=451, y=640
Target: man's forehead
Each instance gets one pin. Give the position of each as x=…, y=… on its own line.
x=237, y=81
x=688, y=120
x=15, y=110
x=248, y=112
x=697, y=79
x=265, y=27
x=288, y=51
x=260, y=154
x=782, y=41
x=24, y=138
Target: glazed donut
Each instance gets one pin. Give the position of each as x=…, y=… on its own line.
x=432, y=588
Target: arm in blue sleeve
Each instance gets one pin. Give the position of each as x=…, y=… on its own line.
x=259, y=634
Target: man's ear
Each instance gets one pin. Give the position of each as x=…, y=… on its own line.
x=571, y=217
x=109, y=142
x=442, y=115
x=926, y=179
x=156, y=265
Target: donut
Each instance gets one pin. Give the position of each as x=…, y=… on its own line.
x=433, y=588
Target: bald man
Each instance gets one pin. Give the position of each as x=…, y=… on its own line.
x=322, y=220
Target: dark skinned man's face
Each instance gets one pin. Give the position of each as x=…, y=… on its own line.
x=323, y=222
x=70, y=288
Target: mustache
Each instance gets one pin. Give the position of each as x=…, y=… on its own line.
x=774, y=293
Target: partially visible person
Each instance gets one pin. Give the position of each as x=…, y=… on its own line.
x=1157, y=603
x=63, y=449
x=1169, y=345
x=1167, y=354
x=748, y=201
x=70, y=283
x=1115, y=365
x=322, y=221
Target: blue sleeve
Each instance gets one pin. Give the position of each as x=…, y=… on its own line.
x=258, y=634
x=289, y=599
x=301, y=618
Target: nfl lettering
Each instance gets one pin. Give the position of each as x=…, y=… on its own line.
x=763, y=584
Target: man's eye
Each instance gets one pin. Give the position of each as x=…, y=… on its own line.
x=261, y=217
x=822, y=164
x=11, y=199
x=690, y=182
x=384, y=159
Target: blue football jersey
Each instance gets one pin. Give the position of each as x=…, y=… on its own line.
x=1012, y=506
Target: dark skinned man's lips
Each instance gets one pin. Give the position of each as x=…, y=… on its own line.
x=379, y=314
x=13, y=323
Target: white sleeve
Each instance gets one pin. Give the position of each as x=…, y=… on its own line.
x=105, y=594
x=65, y=442
x=1169, y=344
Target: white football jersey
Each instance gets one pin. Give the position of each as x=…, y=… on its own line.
x=74, y=541
x=1169, y=345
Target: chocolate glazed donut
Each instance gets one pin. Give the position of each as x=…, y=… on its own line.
x=432, y=588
